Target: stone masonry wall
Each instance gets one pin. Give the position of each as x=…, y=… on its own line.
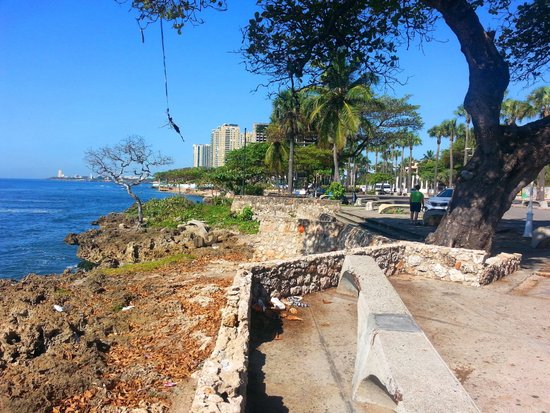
x=223, y=378
x=277, y=207
x=291, y=227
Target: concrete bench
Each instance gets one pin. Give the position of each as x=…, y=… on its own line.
x=385, y=208
x=541, y=237
x=396, y=366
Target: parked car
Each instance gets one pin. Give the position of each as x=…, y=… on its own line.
x=382, y=188
x=441, y=200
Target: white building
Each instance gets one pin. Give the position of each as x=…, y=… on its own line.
x=202, y=155
x=225, y=138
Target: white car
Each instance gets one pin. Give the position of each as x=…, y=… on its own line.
x=441, y=200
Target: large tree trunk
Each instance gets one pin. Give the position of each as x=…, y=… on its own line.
x=506, y=157
x=138, y=202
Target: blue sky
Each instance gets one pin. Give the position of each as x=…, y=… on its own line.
x=75, y=75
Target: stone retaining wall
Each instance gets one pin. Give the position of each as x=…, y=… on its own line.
x=291, y=227
x=223, y=378
x=284, y=207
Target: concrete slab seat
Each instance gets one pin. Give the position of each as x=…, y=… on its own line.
x=541, y=237
x=391, y=208
x=396, y=369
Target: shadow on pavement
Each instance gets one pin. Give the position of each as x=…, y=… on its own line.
x=263, y=328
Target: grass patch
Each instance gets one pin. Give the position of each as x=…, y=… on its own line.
x=170, y=212
x=148, y=266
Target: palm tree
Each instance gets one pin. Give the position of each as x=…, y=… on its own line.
x=335, y=107
x=436, y=132
x=429, y=156
x=513, y=111
x=540, y=100
x=287, y=115
x=412, y=140
x=460, y=111
x=277, y=152
x=450, y=130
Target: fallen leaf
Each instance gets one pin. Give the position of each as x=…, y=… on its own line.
x=294, y=318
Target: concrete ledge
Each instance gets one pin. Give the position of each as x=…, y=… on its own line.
x=541, y=237
x=383, y=208
x=396, y=367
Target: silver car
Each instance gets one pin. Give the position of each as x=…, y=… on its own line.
x=441, y=200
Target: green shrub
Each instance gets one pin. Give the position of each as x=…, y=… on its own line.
x=170, y=212
x=336, y=190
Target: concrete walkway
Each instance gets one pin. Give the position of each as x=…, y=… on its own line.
x=310, y=367
x=496, y=339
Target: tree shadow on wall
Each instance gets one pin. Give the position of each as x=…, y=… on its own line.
x=265, y=327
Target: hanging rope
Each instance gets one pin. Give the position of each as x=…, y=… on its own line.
x=171, y=122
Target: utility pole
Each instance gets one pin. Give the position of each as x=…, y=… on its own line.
x=244, y=163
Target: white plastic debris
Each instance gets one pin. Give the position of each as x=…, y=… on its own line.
x=58, y=308
x=278, y=304
x=128, y=307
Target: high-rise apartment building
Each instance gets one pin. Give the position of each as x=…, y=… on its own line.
x=225, y=138
x=259, y=133
x=202, y=155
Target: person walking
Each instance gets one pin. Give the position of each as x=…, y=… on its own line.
x=416, y=202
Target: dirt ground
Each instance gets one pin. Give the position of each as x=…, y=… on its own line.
x=89, y=342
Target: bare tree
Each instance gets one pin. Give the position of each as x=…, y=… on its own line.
x=127, y=164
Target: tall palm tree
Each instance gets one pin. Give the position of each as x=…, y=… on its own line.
x=287, y=115
x=335, y=107
x=436, y=132
x=277, y=152
x=450, y=130
x=412, y=140
x=460, y=111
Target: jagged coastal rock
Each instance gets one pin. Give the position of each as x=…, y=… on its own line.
x=120, y=240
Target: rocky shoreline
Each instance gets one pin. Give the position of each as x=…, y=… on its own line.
x=117, y=338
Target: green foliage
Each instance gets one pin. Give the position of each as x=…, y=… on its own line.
x=183, y=176
x=170, y=212
x=379, y=177
x=146, y=266
x=336, y=190
x=246, y=214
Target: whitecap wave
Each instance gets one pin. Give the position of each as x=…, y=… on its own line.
x=26, y=211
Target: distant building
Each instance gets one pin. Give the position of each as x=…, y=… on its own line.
x=259, y=133
x=224, y=138
x=60, y=174
x=202, y=155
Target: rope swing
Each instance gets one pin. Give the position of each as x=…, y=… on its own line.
x=171, y=122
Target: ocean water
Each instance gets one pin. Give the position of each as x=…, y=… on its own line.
x=36, y=215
